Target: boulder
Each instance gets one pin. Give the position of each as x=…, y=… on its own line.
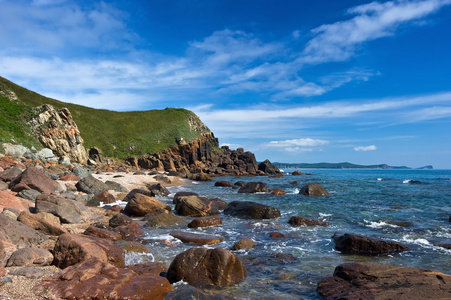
x=252, y=210
x=202, y=177
x=29, y=195
x=96, y=155
x=151, y=267
x=26, y=257
x=91, y=185
x=196, y=238
x=10, y=174
x=41, y=224
x=162, y=218
x=62, y=207
x=129, y=232
x=69, y=177
x=105, y=197
x=268, y=168
x=81, y=172
x=102, y=232
x=3, y=185
x=277, y=192
x=158, y=190
x=205, y=222
x=8, y=199
x=71, y=249
x=244, y=244
x=224, y=183
x=190, y=205
x=133, y=247
x=121, y=220
x=133, y=192
x=254, y=187
x=97, y=279
x=14, y=150
x=115, y=186
x=313, y=189
x=203, y=267
x=375, y=281
x=190, y=292
x=17, y=235
x=33, y=179
x=64, y=160
x=349, y=243
x=294, y=182
x=240, y=183
x=278, y=235
x=139, y=205
x=299, y=221
x=296, y=173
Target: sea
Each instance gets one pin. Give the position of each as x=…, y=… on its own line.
x=362, y=201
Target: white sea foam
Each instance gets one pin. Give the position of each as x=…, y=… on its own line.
x=294, y=192
x=406, y=181
x=380, y=179
x=118, y=202
x=378, y=224
x=325, y=215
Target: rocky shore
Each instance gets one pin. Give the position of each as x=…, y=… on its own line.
x=63, y=237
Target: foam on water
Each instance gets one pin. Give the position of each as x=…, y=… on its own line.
x=378, y=224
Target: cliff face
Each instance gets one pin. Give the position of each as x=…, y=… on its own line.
x=57, y=130
x=200, y=156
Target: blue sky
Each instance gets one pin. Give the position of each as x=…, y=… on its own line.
x=292, y=81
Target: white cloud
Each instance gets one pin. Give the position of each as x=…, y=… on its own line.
x=337, y=41
x=306, y=142
x=366, y=148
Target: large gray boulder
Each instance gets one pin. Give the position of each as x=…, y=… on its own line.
x=91, y=185
x=61, y=206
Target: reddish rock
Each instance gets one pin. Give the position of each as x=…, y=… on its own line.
x=26, y=257
x=196, y=238
x=278, y=235
x=71, y=249
x=6, y=163
x=299, y=221
x=158, y=190
x=294, y=182
x=162, y=218
x=103, y=233
x=203, y=267
x=254, y=187
x=69, y=177
x=155, y=268
x=349, y=243
x=10, y=174
x=96, y=279
x=14, y=234
x=129, y=232
x=9, y=199
x=244, y=244
x=41, y=224
x=224, y=183
x=33, y=179
x=373, y=281
x=121, y=220
x=205, y=222
x=313, y=189
x=105, y=197
x=296, y=173
x=191, y=205
x=139, y=205
x=277, y=191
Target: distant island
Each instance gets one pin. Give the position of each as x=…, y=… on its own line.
x=342, y=165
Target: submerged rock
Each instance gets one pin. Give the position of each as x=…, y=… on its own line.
x=349, y=243
x=299, y=221
x=254, y=187
x=313, y=189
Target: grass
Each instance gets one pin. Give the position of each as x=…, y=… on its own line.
x=117, y=134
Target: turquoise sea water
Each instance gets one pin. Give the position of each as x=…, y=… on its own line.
x=362, y=202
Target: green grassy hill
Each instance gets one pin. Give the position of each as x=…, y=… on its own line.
x=117, y=134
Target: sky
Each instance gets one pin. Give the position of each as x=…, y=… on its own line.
x=292, y=81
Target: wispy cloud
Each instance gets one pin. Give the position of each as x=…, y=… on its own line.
x=366, y=148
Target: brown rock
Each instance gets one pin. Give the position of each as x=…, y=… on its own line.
x=277, y=191
x=278, y=235
x=205, y=222
x=148, y=268
x=33, y=179
x=191, y=205
x=63, y=207
x=196, y=238
x=129, y=232
x=69, y=177
x=299, y=221
x=244, y=244
x=158, y=190
x=105, y=197
x=253, y=210
x=121, y=220
x=3, y=185
x=96, y=279
x=9, y=199
x=133, y=246
x=41, y=224
x=30, y=257
x=14, y=234
x=203, y=267
x=296, y=173
x=162, y=218
x=373, y=281
x=224, y=183
x=71, y=249
x=254, y=187
x=349, y=243
x=10, y=174
x=294, y=182
x=139, y=205
x=103, y=233
x=313, y=189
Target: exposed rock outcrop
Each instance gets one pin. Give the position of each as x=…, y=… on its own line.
x=57, y=130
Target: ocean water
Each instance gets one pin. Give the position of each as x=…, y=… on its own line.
x=362, y=202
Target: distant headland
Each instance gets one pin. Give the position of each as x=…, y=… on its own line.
x=341, y=165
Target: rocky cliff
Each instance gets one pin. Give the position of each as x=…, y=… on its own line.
x=57, y=130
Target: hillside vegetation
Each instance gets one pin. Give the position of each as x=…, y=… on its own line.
x=117, y=134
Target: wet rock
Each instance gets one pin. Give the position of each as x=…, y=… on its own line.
x=40, y=223
x=224, y=183
x=158, y=190
x=349, y=243
x=129, y=232
x=17, y=235
x=59, y=205
x=278, y=235
x=71, y=249
x=240, y=183
x=10, y=174
x=91, y=185
x=268, y=168
x=244, y=244
x=374, y=281
x=196, y=238
x=162, y=218
x=203, y=267
x=155, y=268
x=299, y=221
x=296, y=173
x=105, y=197
x=96, y=279
x=121, y=220
x=400, y=223
x=190, y=205
x=103, y=233
x=313, y=189
x=252, y=210
x=8, y=199
x=190, y=292
x=133, y=246
x=33, y=179
x=205, y=222
x=254, y=187
x=294, y=182
x=277, y=191
x=30, y=257
x=139, y=205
